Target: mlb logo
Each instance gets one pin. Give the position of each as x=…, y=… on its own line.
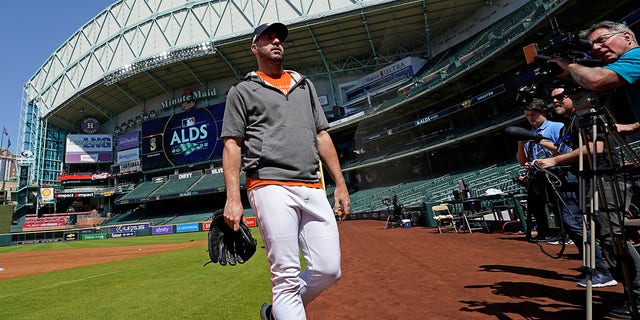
x=188, y=122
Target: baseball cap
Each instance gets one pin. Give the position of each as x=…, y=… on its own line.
x=279, y=28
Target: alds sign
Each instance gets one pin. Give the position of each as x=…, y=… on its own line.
x=181, y=139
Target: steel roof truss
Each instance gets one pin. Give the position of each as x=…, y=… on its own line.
x=159, y=82
x=95, y=106
x=369, y=37
x=128, y=93
x=233, y=69
x=195, y=76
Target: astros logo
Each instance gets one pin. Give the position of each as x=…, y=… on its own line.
x=46, y=192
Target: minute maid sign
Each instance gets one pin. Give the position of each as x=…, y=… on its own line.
x=181, y=139
x=188, y=97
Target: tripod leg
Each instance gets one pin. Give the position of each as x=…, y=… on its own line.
x=611, y=206
x=597, y=133
x=626, y=256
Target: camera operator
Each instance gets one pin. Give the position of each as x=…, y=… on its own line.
x=537, y=186
x=616, y=45
x=602, y=221
x=572, y=215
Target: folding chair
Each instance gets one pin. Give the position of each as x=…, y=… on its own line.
x=444, y=219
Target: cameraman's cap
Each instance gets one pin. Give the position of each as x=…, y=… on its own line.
x=279, y=28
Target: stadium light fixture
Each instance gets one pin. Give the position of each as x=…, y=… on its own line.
x=160, y=59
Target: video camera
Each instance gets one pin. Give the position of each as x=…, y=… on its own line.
x=544, y=74
x=564, y=45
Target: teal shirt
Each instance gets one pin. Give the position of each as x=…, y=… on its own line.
x=628, y=67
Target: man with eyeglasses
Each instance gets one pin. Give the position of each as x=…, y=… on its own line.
x=616, y=45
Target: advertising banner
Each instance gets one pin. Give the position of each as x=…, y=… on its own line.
x=122, y=235
x=128, y=140
x=72, y=236
x=88, y=231
x=42, y=224
x=128, y=155
x=129, y=228
x=66, y=195
x=250, y=221
x=161, y=230
x=206, y=225
x=94, y=236
x=187, y=227
x=184, y=138
x=89, y=148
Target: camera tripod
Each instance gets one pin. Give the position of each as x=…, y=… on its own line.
x=602, y=193
x=391, y=218
x=392, y=222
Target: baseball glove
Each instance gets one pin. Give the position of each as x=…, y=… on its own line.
x=227, y=246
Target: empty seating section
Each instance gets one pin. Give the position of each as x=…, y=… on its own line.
x=446, y=65
x=476, y=49
x=159, y=218
x=133, y=215
x=435, y=141
x=208, y=183
x=142, y=191
x=213, y=182
x=414, y=194
x=175, y=186
x=192, y=217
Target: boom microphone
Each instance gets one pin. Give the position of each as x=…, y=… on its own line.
x=524, y=134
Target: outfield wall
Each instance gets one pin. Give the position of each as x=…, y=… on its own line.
x=95, y=233
x=105, y=232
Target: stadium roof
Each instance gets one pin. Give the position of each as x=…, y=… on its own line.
x=326, y=38
x=177, y=45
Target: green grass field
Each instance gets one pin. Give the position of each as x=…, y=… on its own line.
x=169, y=285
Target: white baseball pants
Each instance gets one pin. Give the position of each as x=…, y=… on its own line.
x=294, y=220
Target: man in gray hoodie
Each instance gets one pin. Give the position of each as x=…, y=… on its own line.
x=277, y=115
